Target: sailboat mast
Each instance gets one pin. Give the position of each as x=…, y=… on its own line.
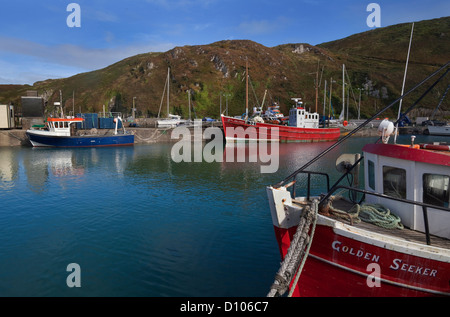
x=343, y=89
x=324, y=101
x=168, y=91
x=317, y=86
x=189, y=96
x=246, y=89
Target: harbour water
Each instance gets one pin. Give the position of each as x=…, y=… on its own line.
x=139, y=224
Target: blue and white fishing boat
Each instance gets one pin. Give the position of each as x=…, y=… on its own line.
x=59, y=132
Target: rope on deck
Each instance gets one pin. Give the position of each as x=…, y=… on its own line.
x=376, y=214
x=298, y=251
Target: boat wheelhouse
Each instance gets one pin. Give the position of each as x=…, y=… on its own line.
x=299, y=117
x=412, y=173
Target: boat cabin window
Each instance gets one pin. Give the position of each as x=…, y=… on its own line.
x=394, y=182
x=371, y=170
x=435, y=189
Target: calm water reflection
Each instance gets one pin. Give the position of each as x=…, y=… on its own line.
x=139, y=224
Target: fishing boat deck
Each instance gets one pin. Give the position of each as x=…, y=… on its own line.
x=405, y=234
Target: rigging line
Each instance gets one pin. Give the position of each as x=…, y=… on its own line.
x=351, y=88
x=361, y=126
x=253, y=89
x=440, y=102
x=421, y=97
x=320, y=81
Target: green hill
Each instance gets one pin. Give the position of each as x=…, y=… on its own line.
x=374, y=60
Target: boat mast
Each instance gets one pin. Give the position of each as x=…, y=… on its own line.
x=61, y=104
x=324, y=102
x=264, y=100
x=189, y=96
x=246, y=89
x=168, y=91
x=162, y=98
x=343, y=89
x=317, y=87
x=403, y=87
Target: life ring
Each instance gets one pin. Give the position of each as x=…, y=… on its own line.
x=436, y=147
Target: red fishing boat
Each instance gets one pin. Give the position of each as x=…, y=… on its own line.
x=389, y=238
x=303, y=126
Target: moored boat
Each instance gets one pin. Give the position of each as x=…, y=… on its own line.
x=171, y=122
x=303, y=127
x=443, y=130
x=389, y=238
x=59, y=132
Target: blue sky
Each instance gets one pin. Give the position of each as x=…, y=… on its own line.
x=36, y=42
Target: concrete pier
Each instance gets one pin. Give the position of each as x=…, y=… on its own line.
x=17, y=137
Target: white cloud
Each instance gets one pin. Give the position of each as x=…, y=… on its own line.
x=77, y=56
x=61, y=60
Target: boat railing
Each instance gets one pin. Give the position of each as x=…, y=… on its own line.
x=349, y=170
x=308, y=185
x=424, y=206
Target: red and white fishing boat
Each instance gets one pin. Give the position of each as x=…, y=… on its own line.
x=394, y=240
x=303, y=127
